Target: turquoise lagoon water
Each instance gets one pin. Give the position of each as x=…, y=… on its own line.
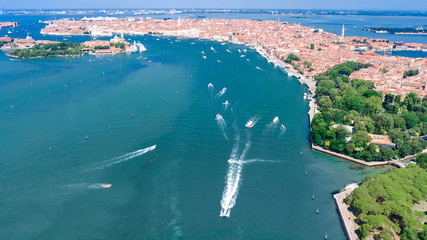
x=51, y=174
x=173, y=167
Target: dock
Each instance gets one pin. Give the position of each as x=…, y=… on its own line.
x=344, y=214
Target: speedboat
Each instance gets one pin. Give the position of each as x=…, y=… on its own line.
x=250, y=124
x=213, y=49
x=204, y=57
x=226, y=103
x=218, y=116
x=275, y=120
x=106, y=185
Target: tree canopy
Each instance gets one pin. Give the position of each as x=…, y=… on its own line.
x=356, y=103
x=48, y=50
x=384, y=203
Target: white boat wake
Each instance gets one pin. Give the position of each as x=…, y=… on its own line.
x=220, y=93
x=122, y=158
x=242, y=162
x=221, y=124
x=84, y=186
x=211, y=88
x=226, y=103
x=282, y=129
x=232, y=181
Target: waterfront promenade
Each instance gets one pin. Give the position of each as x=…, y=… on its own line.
x=342, y=156
x=344, y=213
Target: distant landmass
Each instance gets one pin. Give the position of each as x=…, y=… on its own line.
x=207, y=11
x=414, y=30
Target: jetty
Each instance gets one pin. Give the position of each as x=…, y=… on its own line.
x=344, y=213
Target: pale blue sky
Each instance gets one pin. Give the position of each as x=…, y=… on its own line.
x=276, y=4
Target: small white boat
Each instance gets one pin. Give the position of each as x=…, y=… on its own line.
x=204, y=57
x=242, y=55
x=258, y=68
x=239, y=50
x=228, y=50
x=276, y=120
x=106, y=185
x=226, y=103
x=213, y=49
x=203, y=52
x=250, y=124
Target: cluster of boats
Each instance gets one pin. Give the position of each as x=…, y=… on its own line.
x=307, y=96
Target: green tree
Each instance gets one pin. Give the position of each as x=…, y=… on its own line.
x=422, y=160
x=360, y=139
x=353, y=101
x=410, y=73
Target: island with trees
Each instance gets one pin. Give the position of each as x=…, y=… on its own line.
x=352, y=115
x=417, y=30
x=391, y=205
x=49, y=50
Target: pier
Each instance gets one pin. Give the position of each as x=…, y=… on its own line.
x=344, y=213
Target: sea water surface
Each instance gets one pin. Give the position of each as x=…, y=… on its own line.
x=149, y=127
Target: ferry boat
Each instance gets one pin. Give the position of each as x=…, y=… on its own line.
x=250, y=124
x=106, y=185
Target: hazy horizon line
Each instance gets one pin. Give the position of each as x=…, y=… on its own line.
x=219, y=8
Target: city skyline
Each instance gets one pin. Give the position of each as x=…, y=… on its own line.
x=411, y=5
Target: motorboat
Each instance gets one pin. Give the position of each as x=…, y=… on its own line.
x=226, y=103
x=250, y=124
x=106, y=185
x=276, y=120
